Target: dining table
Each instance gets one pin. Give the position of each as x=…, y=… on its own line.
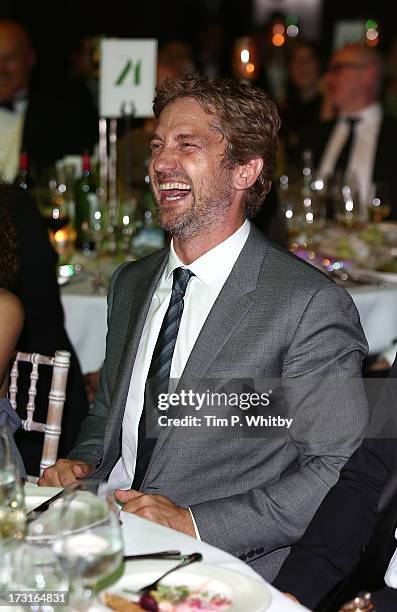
x=85, y=311
x=141, y=536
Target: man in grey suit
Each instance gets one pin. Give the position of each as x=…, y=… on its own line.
x=222, y=304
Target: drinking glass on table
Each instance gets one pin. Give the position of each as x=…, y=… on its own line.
x=379, y=205
x=12, y=505
x=89, y=546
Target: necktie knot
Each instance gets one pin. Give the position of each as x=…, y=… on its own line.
x=181, y=280
x=352, y=122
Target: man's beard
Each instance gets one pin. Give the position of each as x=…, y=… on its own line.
x=205, y=212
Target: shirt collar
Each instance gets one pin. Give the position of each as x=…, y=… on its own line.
x=216, y=261
x=369, y=113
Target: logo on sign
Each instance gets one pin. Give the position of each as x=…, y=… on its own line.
x=130, y=70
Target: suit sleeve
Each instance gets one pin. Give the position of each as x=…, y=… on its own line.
x=89, y=444
x=325, y=393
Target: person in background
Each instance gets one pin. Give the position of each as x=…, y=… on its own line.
x=11, y=319
x=305, y=100
x=43, y=332
x=359, y=144
x=45, y=125
x=221, y=304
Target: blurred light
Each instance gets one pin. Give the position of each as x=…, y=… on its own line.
x=337, y=266
x=52, y=184
x=289, y=214
x=284, y=179
x=55, y=213
x=349, y=205
x=278, y=28
x=126, y=220
x=97, y=214
x=376, y=202
x=309, y=217
x=147, y=179
x=307, y=202
x=278, y=40
x=326, y=262
x=372, y=43
x=291, y=20
x=250, y=68
x=61, y=188
x=306, y=171
x=245, y=56
x=312, y=255
x=318, y=185
x=292, y=31
x=60, y=236
x=371, y=24
x=372, y=34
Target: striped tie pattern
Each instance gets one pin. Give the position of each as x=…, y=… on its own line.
x=159, y=373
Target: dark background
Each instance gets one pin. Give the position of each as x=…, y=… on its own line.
x=54, y=26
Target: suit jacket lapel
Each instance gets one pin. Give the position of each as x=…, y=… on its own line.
x=145, y=287
x=231, y=306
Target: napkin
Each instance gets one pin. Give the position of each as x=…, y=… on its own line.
x=10, y=419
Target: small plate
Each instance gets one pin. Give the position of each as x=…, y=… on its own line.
x=35, y=495
x=245, y=592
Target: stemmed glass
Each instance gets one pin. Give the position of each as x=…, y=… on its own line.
x=12, y=505
x=89, y=546
x=379, y=205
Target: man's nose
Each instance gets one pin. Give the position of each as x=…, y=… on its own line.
x=165, y=160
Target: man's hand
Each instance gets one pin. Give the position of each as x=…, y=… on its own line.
x=64, y=473
x=157, y=508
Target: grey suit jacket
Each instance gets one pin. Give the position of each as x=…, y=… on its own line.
x=275, y=317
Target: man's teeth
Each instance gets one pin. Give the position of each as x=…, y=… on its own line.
x=168, y=186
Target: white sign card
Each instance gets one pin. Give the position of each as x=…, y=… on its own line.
x=128, y=77
x=348, y=32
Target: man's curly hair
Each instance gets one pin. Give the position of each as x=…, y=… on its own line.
x=248, y=119
x=9, y=257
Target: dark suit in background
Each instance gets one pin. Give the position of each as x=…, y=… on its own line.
x=316, y=136
x=44, y=330
x=349, y=543
x=56, y=127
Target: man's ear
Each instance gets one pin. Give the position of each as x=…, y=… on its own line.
x=246, y=174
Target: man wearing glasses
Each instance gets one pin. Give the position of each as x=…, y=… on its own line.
x=359, y=145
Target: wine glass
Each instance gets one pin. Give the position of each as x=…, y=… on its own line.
x=12, y=504
x=89, y=546
x=379, y=205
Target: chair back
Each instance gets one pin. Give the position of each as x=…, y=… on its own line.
x=60, y=364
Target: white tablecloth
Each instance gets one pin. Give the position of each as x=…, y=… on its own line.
x=141, y=536
x=85, y=318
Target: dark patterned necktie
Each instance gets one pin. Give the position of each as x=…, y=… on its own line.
x=344, y=155
x=159, y=374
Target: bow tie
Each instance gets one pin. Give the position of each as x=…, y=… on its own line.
x=8, y=105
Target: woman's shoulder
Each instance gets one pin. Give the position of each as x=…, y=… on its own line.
x=11, y=308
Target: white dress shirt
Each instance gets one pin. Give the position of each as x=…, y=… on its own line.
x=391, y=572
x=11, y=130
x=211, y=271
x=360, y=165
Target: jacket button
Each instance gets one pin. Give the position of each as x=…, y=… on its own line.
x=242, y=557
x=251, y=554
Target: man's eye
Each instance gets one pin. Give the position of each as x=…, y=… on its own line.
x=188, y=145
x=154, y=146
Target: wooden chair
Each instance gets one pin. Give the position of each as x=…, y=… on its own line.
x=60, y=364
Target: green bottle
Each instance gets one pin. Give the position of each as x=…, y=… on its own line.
x=87, y=206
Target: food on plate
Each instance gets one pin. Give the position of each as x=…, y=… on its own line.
x=121, y=604
x=172, y=599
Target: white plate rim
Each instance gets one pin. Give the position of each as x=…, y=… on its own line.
x=218, y=573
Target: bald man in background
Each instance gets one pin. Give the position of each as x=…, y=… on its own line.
x=45, y=124
x=360, y=142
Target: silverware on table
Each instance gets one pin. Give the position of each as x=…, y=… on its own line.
x=31, y=515
x=174, y=555
x=188, y=560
